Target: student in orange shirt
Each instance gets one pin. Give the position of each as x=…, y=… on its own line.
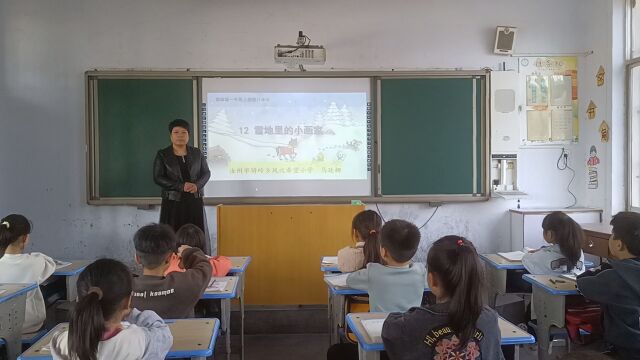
x=193, y=236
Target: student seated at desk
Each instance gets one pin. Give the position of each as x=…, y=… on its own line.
x=564, y=255
x=398, y=284
x=172, y=296
x=458, y=326
x=365, y=229
x=616, y=286
x=193, y=236
x=17, y=267
x=96, y=330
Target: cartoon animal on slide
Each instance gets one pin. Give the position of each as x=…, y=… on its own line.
x=287, y=152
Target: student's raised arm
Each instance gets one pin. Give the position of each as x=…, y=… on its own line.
x=598, y=288
x=197, y=267
x=46, y=266
x=359, y=280
x=158, y=340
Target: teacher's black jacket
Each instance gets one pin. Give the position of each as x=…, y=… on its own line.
x=166, y=172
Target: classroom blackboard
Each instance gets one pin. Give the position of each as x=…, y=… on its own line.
x=431, y=136
x=429, y=140
x=131, y=126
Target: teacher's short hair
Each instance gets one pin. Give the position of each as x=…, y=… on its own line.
x=154, y=243
x=179, y=123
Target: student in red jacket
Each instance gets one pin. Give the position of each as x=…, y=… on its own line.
x=193, y=236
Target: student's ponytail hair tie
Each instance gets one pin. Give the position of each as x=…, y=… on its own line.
x=95, y=290
x=6, y=223
x=460, y=242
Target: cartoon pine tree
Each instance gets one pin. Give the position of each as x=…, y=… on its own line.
x=220, y=124
x=346, y=115
x=334, y=114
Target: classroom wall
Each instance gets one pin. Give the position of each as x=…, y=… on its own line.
x=606, y=30
x=46, y=46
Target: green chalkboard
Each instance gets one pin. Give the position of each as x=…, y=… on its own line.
x=429, y=130
x=133, y=115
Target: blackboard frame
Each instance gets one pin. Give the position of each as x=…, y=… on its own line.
x=92, y=163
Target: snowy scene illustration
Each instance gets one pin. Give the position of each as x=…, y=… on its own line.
x=287, y=136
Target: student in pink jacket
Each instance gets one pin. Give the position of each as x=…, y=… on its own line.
x=365, y=230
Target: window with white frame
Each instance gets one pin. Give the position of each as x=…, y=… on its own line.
x=633, y=103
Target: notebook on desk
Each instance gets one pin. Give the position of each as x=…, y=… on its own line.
x=338, y=280
x=216, y=285
x=512, y=256
x=373, y=327
x=571, y=277
x=60, y=264
x=329, y=260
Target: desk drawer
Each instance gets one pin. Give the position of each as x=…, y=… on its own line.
x=596, y=246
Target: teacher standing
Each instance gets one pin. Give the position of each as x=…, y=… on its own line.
x=182, y=172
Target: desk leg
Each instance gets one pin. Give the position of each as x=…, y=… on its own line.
x=497, y=279
x=330, y=315
x=11, y=320
x=241, y=297
x=72, y=291
x=225, y=304
x=368, y=355
x=198, y=358
x=339, y=315
x=550, y=311
x=516, y=352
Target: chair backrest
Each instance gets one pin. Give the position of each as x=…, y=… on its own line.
x=562, y=264
x=355, y=304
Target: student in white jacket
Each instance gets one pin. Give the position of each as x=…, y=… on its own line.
x=564, y=255
x=96, y=330
x=17, y=267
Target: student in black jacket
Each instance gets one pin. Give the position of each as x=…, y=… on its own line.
x=616, y=286
x=458, y=326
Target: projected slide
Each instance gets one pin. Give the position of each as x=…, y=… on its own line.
x=288, y=143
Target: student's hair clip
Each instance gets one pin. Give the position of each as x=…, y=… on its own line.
x=6, y=223
x=96, y=290
x=460, y=242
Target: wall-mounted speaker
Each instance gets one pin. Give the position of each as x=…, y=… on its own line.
x=505, y=38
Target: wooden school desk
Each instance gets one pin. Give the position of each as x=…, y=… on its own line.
x=71, y=273
x=368, y=349
x=548, y=293
x=192, y=338
x=497, y=268
x=337, y=300
x=239, y=265
x=225, y=296
x=596, y=239
x=13, y=301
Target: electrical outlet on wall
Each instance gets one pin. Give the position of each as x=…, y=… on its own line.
x=567, y=151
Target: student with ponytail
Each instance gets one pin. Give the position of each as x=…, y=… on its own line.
x=96, y=330
x=458, y=325
x=18, y=267
x=365, y=229
x=564, y=255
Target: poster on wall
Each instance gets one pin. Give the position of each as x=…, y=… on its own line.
x=591, y=110
x=592, y=168
x=551, y=99
x=604, y=132
x=600, y=76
